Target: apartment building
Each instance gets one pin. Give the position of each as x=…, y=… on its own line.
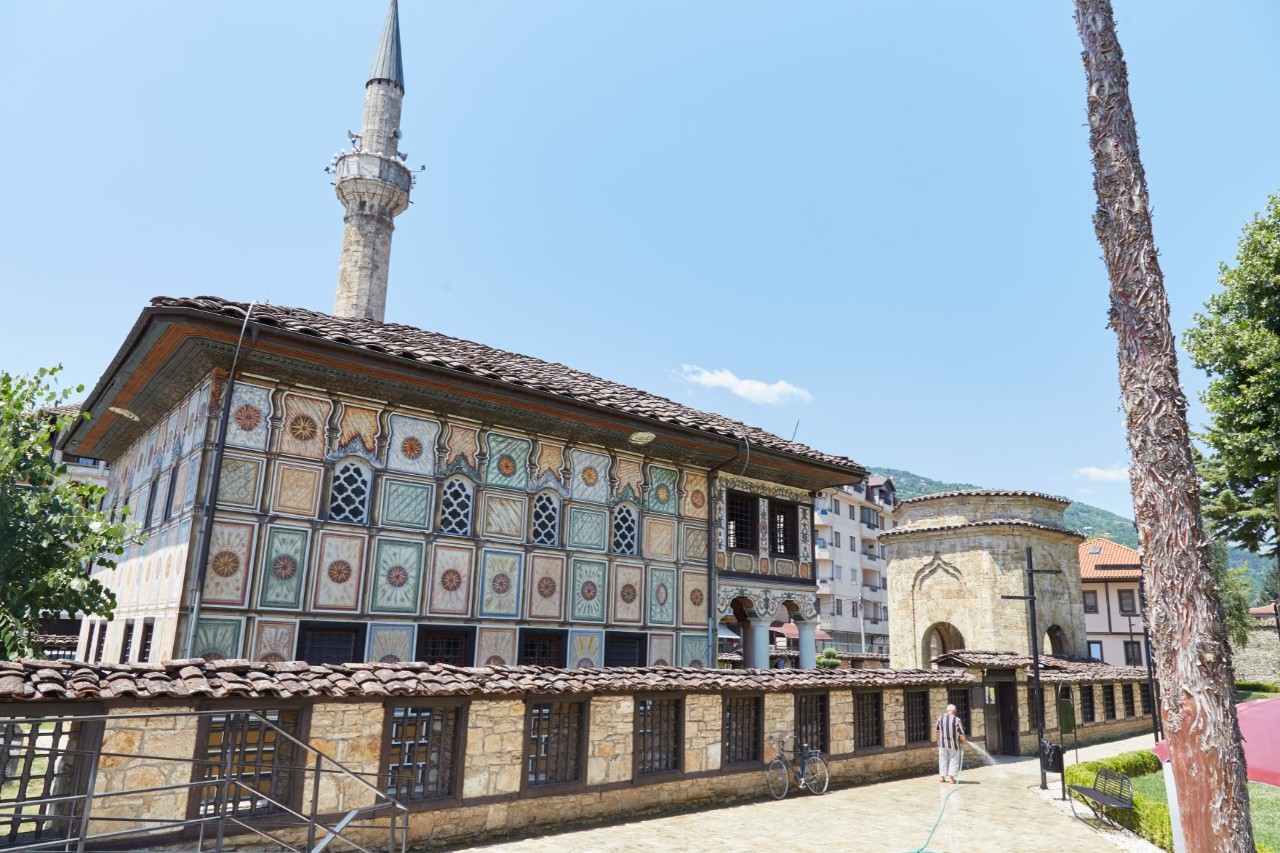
x=850, y=564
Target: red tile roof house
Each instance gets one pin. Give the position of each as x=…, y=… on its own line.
x=1109, y=575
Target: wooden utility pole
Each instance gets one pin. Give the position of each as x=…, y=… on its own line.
x=1193, y=661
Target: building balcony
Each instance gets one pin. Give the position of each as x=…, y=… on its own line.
x=821, y=552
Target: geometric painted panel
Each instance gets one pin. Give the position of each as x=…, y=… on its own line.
x=238, y=485
x=743, y=562
x=693, y=650
x=450, y=580
x=407, y=504
x=784, y=568
x=508, y=462
x=389, y=643
x=339, y=572
x=546, y=587
x=413, y=445
x=250, y=416
x=662, y=648
x=695, y=543
x=296, y=490
x=660, y=538
x=630, y=479
x=586, y=528
x=662, y=490
x=273, y=640
x=358, y=431
x=283, y=568
x=662, y=596
x=695, y=496
x=496, y=647
x=397, y=577
x=302, y=432
x=504, y=516
x=219, y=638
x=586, y=649
x=500, y=584
x=628, y=603
x=227, y=576
x=693, y=598
x=590, y=476
x=588, y=593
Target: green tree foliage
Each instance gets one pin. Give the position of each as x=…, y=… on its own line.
x=51, y=532
x=829, y=659
x=1235, y=589
x=1237, y=343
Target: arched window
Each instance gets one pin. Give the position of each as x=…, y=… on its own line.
x=349, y=497
x=545, y=529
x=456, y=501
x=626, y=527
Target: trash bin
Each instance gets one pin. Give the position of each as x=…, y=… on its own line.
x=1050, y=756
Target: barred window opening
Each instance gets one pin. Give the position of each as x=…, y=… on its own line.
x=455, y=508
x=42, y=760
x=423, y=758
x=743, y=718
x=916, y=711
x=811, y=721
x=959, y=696
x=262, y=763
x=658, y=735
x=349, y=497
x=742, y=521
x=542, y=650
x=1087, y=713
x=1126, y=692
x=625, y=530
x=784, y=529
x=869, y=719
x=555, y=742
x=1144, y=694
x=546, y=519
x=1109, y=701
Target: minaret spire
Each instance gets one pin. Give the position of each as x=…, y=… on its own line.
x=373, y=184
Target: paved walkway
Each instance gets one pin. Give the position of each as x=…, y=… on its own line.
x=997, y=808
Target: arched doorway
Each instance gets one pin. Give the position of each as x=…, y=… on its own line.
x=1055, y=641
x=940, y=638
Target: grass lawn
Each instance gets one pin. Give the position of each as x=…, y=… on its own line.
x=1248, y=696
x=1264, y=801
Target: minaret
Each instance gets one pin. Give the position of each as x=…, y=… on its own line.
x=373, y=184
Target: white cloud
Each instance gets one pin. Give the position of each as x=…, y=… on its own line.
x=1114, y=474
x=770, y=393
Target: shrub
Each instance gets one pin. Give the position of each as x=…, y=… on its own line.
x=829, y=659
x=1149, y=818
x=1257, y=687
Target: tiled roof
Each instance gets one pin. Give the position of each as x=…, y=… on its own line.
x=31, y=680
x=990, y=493
x=57, y=641
x=990, y=522
x=1053, y=668
x=443, y=352
x=68, y=409
x=1108, y=554
x=736, y=657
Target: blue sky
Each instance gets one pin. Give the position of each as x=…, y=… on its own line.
x=883, y=207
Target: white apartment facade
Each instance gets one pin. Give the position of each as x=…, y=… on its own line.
x=850, y=564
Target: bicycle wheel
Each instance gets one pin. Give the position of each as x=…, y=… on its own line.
x=778, y=778
x=816, y=775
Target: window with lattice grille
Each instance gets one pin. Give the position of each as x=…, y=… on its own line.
x=349, y=497
x=625, y=530
x=1144, y=694
x=959, y=696
x=46, y=767
x=868, y=719
x=743, y=728
x=1109, y=701
x=658, y=736
x=556, y=731
x=1126, y=692
x=916, y=711
x=456, y=502
x=811, y=720
x=262, y=763
x=1087, y=713
x=546, y=519
x=742, y=520
x=423, y=761
x=784, y=529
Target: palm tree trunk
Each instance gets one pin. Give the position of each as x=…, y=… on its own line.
x=1193, y=661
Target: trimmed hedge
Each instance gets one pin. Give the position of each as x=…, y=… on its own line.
x=1257, y=687
x=1149, y=818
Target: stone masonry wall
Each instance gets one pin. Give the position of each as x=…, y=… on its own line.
x=142, y=752
x=1259, y=659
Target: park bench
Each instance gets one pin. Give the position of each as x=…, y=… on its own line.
x=1111, y=790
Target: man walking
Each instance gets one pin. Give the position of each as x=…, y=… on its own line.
x=950, y=736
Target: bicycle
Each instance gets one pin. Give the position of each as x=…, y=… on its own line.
x=805, y=764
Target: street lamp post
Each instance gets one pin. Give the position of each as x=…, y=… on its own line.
x=1037, y=699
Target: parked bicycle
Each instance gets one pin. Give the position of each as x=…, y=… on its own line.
x=805, y=764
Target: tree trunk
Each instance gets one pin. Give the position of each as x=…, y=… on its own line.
x=1193, y=661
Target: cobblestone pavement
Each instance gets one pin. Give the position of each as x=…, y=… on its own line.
x=996, y=808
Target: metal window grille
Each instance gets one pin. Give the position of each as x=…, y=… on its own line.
x=126, y=643
x=546, y=520
x=349, y=497
x=455, y=508
x=424, y=740
x=1132, y=653
x=334, y=646
x=148, y=633
x=41, y=760
x=1109, y=701
x=959, y=696
x=100, y=645
x=555, y=742
x=1087, y=713
x=1144, y=695
x=625, y=526
x=1127, y=602
x=448, y=648
x=743, y=718
x=868, y=719
x=262, y=764
x=916, y=711
x=1035, y=707
x=742, y=520
x=622, y=650
x=542, y=650
x=811, y=720
x=784, y=528
x=1090, y=602
x=658, y=737
x=1126, y=693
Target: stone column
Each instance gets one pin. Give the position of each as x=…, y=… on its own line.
x=756, y=653
x=808, y=645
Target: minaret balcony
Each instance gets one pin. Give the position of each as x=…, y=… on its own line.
x=371, y=165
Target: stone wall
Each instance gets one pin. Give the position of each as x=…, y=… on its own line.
x=142, y=751
x=1259, y=659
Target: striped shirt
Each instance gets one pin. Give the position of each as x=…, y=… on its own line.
x=949, y=731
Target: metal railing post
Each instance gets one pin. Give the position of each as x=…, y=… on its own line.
x=90, y=783
x=225, y=787
x=315, y=806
